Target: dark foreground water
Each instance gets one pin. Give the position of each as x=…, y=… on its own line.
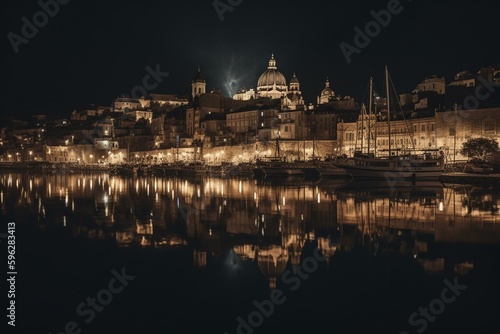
x=101, y=254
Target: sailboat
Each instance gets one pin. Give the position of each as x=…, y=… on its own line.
x=394, y=166
x=277, y=166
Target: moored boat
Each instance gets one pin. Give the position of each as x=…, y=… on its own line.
x=393, y=166
x=192, y=170
x=277, y=167
x=398, y=167
x=124, y=170
x=241, y=170
x=330, y=169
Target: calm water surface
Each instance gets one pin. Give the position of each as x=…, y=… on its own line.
x=203, y=251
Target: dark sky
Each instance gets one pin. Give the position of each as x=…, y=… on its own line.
x=93, y=51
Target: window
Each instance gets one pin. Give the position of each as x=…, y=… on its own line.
x=286, y=128
x=422, y=127
x=489, y=127
x=453, y=131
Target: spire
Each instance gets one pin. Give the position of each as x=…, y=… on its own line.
x=198, y=77
x=272, y=63
x=327, y=84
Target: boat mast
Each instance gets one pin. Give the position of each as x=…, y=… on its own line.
x=304, y=150
x=277, y=150
x=370, y=114
x=313, y=149
x=363, y=114
x=376, y=128
x=388, y=108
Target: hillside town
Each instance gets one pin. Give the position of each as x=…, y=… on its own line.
x=272, y=119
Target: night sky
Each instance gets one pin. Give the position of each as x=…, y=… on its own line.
x=90, y=52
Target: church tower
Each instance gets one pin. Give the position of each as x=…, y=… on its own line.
x=198, y=85
x=295, y=85
x=293, y=99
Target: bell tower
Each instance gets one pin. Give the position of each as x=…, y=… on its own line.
x=198, y=85
x=295, y=85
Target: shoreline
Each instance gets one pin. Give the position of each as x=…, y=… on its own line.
x=51, y=167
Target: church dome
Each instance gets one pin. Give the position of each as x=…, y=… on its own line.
x=327, y=91
x=272, y=79
x=326, y=94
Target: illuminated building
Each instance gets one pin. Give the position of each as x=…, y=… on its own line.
x=326, y=94
x=272, y=83
x=245, y=95
x=293, y=100
x=126, y=104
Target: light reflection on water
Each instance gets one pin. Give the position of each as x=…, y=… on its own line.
x=264, y=221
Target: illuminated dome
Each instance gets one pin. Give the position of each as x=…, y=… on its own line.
x=327, y=91
x=326, y=94
x=272, y=83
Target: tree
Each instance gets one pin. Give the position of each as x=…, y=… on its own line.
x=479, y=148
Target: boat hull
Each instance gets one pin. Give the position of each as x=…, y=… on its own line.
x=331, y=171
x=282, y=172
x=370, y=172
x=191, y=172
x=126, y=170
x=311, y=172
